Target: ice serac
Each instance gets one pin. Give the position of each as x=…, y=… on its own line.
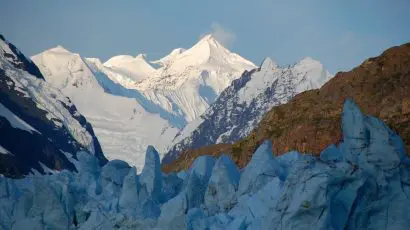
x=40, y=116
x=198, y=180
x=128, y=201
x=291, y=191
x=151, y=176
x=240, y=107
x=220, y=194
x=120, y=117
x=371, y=136
x=114, y=172
x=260, y=170
x=173, y=213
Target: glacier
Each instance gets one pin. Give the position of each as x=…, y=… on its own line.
x=363, y=182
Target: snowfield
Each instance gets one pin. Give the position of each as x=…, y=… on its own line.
x=363, y=183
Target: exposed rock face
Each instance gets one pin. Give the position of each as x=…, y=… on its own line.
x=310, y=121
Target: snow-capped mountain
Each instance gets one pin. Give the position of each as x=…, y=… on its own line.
x=135, y=68
x=40, y=128
x=167, y=60
x=192, y=79
x=124, y=127
x=240, y=107
x=130, y=104
x=65, y=70
x=187, y=82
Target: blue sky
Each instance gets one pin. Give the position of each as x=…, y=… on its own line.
x=340, y=34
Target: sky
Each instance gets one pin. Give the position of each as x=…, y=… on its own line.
x=340, y=34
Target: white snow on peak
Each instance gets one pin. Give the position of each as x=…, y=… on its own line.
x=94, y=61
x=268, y=63
x=315, y=74
x=141, y=56
x=187, y=81
x=207, y=55
x=47, y=98
x=180, y=91
x=306, y=74
x=260, y=90
x=167, y=60
x=190, y=80
x=135, y=68
x=208, y=51
x=59, y=49
x=4, y=151
x=123, y=127
x=307, y=59
x=64, y=69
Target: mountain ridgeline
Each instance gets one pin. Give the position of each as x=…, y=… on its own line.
x=310, y=121
x=40, y=129
x=132, y=105
x=240, y=107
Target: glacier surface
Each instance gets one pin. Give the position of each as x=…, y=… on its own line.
x=360, y=183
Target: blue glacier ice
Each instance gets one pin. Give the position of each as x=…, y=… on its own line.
x=360, y=183
x=262, y=168
x=220, y=194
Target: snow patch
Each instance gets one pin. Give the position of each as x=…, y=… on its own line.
x=4, y=151
x=15, y=121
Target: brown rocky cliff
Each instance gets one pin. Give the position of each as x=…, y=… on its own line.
x=311, y=120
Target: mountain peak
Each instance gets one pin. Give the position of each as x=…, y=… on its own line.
x=64, y=69
x=308, y=60
x=209, y=37
x=268, y=63
x=210, y=40
x=170, y=57
x=95, y=61
x=178, y=50
x=208, y=50
x=141, y=56
x=135, y=68
x=119, y=58
x=59, y=49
